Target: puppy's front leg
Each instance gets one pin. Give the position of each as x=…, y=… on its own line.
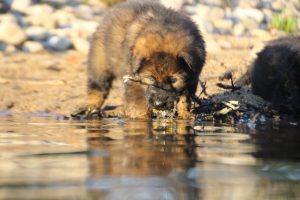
x=183, y=107
x=135, y=101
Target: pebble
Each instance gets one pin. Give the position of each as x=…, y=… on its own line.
x=2, y=46
x=223, y=26
x=32, y=47
x=10, y=49
x=37, y=33
x=174, y=4
x=239, y=30
x=63, y=18
x=58, y=43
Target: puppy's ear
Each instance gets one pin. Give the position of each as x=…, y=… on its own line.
x=137, y=64
x=185, y=61
x=194, y=59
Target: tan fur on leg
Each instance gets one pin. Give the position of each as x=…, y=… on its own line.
x=183, y=108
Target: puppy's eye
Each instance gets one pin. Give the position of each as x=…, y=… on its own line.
x=172, y=79
x=150, y=80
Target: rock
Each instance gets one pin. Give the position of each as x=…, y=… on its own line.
x=7, y=2
x=239, y=30
x=63, y=18
x=222, y=3
x=10, y=49
x=215, y=13
x=2, y=46
x=81, y=45
x=250, y=24
x=37, y=33
x=58, y=43
x=8, y=18
x=174, y=4
x=60, y=3
x=32, y=47
x=63, y=32
x=201, y=11
x=21, y=5
x=84, y=28
x=277, y=5
x=39, y=10
x=3, y=8
x=43, y=21
x=249, y=13
x=11, y=33
x=41, y=15
x=267, y=14
x=248, y=4
x=83, y=12
x=223, y=26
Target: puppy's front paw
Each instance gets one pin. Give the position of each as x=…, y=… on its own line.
x=184, y=114
x=86, y=112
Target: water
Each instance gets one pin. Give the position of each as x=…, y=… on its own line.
x=116, y=159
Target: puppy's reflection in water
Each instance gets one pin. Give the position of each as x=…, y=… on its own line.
x=141, y=160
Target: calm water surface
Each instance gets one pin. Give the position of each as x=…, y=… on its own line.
x=116, y=159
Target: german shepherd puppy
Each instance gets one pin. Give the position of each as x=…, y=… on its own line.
x=275, y=75
x=161, y=52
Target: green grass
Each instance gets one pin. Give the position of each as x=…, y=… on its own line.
x=285, y=23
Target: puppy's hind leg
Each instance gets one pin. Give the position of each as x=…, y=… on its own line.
x=98, y=90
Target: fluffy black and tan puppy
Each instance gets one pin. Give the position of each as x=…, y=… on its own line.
x=160, y=51
x=275, y=75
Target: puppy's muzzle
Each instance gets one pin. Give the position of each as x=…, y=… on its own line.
x=161, y=99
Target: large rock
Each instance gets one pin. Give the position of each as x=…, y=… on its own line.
x=41, y=15
x=11, y=33
x=8, y=18
x=249, y=14
x=21, y=5
x=32, y=47
x=58, y=43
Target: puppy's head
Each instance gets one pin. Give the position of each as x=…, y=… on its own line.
x=165, y=78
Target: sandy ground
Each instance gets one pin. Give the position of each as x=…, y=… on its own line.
x=56, y=82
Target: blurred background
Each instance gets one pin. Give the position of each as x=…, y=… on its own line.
x=58, y=25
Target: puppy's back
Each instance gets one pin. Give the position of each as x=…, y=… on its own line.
x=124, y=30
x=276, y=71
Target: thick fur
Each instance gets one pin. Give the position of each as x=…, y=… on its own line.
x=275, y=75
x=161, y=47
